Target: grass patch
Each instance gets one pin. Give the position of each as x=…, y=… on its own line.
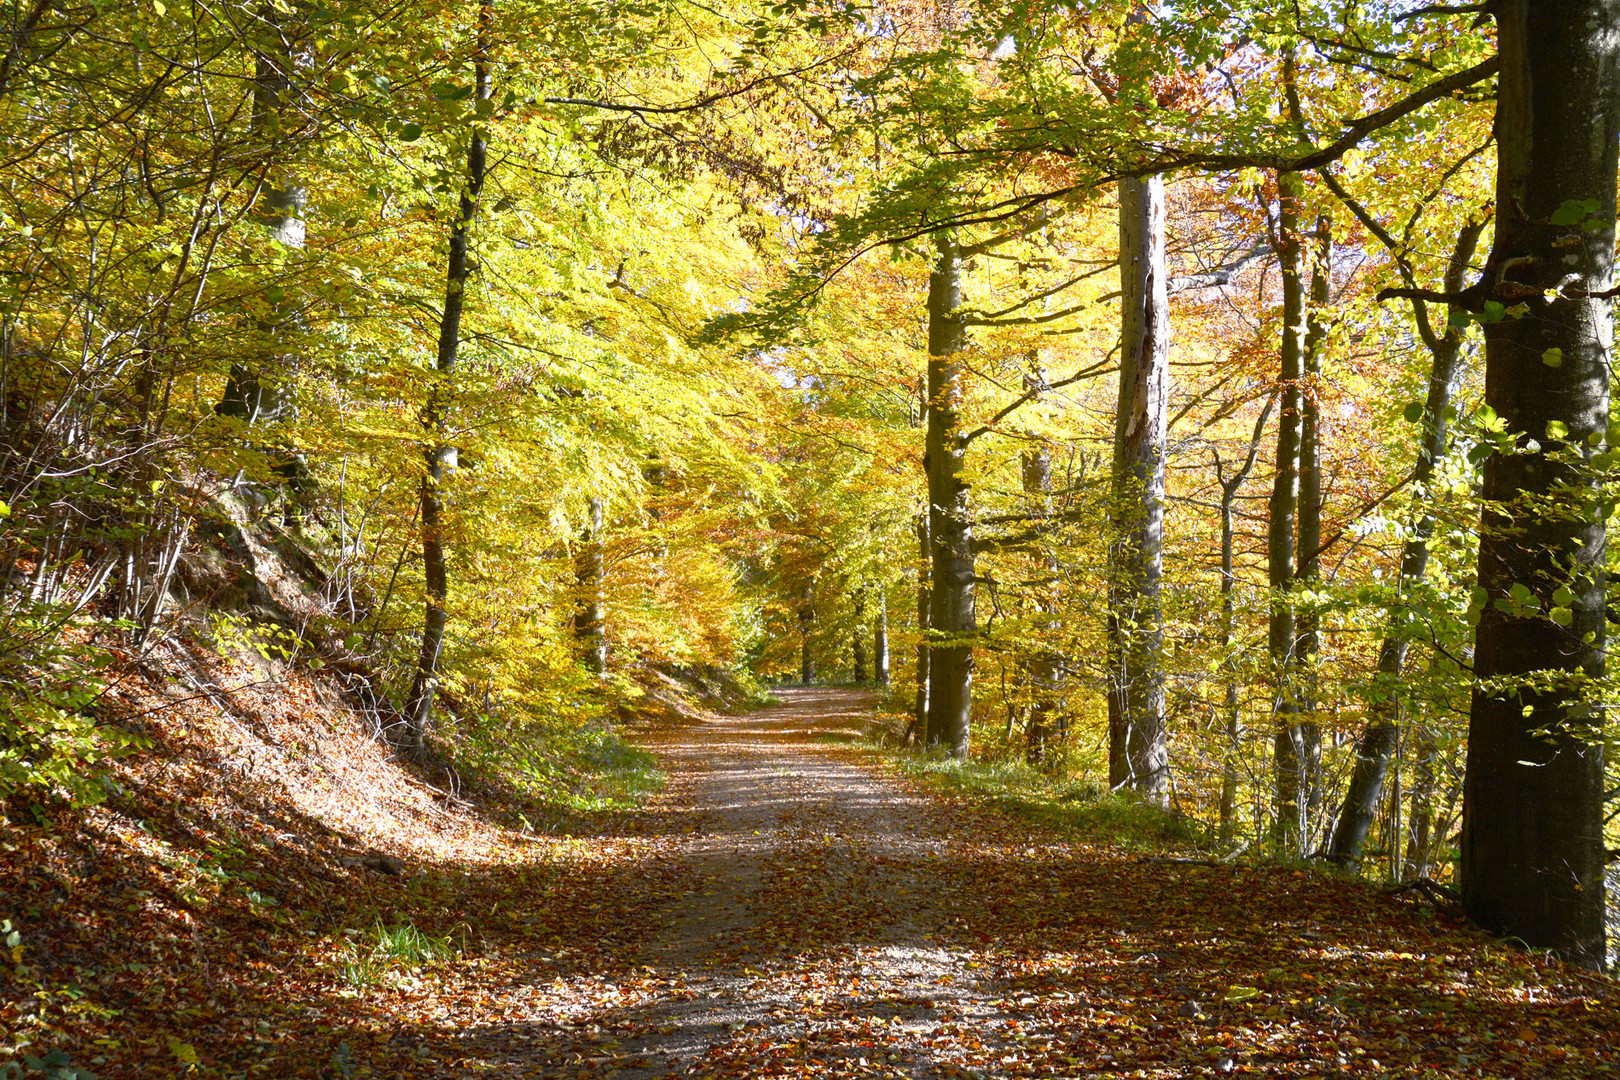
x=1069, y=805
x=370, y=957
x=545, y=778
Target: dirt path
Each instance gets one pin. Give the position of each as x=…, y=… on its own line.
x=792, y=912
x=810, y=874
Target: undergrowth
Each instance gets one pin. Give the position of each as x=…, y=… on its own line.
x=370, y=957
x=559, y=772
x=1083, y=807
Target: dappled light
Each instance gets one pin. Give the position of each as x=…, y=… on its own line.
x=715, y=539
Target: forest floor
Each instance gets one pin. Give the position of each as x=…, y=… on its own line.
x=787, y=907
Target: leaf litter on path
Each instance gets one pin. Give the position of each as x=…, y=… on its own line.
x=787, y=908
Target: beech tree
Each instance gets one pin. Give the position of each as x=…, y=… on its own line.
x=1533, y=853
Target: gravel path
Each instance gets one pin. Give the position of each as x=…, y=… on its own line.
x=812, y=882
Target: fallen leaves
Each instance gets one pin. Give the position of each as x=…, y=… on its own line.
x=819, y=922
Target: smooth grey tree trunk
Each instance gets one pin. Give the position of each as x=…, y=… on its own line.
x=590, y=605
x=1533, y=854
x=1231, y=718
x=1282, y=523
x=441, y=455
x=1043, y=666
x=1138, y=750
x=952, y=616
x=1308, y=739
x=1376, y=747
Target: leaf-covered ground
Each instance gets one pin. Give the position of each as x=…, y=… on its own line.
x=785, y=908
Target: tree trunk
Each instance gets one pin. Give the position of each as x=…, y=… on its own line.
x=1232, y=721
x=951, y=611
x=924, y=602
x=441, y=456
x=590, y=629
x=1308, y=741
x=1138, y=751
x=1282, y=522
x=880, y=641
x=1377, y=745
x=1421, y=840
x=807, y=624
x=1043, y=669
x=858, y=638
x=257, y=391
x=1532, y=838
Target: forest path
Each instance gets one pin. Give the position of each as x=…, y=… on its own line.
x=794, y=911
x=812, y=883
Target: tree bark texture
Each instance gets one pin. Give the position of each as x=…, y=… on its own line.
x=441, y=455
x=590, y=627
x=1138, y=751
x=1376, y=747
x=952, y=617
x=1282, y=524
x=1532, y=839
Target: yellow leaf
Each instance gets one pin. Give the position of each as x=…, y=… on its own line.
x=183, y=1052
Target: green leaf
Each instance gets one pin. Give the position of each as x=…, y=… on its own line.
x=410, y=132
x=160, y=8
x=1569, y=212
x=1521, y=593
x=1413, y=412
x=1557, y=429
x=1562, y=596
x=1494, y=312
x=183, y=1052
x=1561, y=615
x=1553, y=357
x=1241, y=993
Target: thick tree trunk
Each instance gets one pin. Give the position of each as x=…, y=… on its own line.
x=1532, y=839
x=880, y=641
x=1138, y=751
x=925, y=600
x=441, y=456
x=1377, y=744
x=950, y=526
x=1282, y=522
x=590, y=628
